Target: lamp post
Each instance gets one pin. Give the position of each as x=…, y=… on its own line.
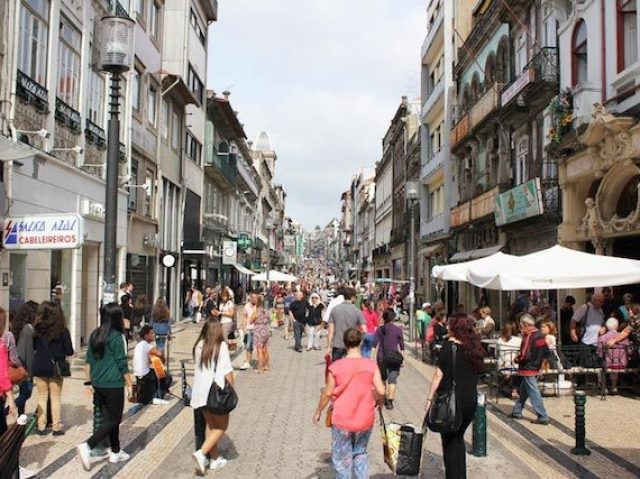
x=268, y=226
x=115, y=58
x=412, y=195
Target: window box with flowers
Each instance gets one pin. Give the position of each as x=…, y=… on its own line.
x=561, y=109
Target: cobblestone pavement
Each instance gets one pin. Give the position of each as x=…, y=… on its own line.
x=271, y=434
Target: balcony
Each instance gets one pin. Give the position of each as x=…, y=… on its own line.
x=432, y=165
x=487, y=104
x=460, y=131
x=478, y=207
x=434, y=97
x=433, y=227
x=431, y=42
x=245, y=174
x=224, y=168
x=536, y=85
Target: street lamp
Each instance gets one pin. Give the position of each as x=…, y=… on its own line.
x=269, y=227
x=116, y=56
x=412, y=195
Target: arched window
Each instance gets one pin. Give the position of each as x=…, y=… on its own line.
x=579, y=53
x=466, y=99
x=503, y=61
x=475, y=87
x=627, y=34
x=490, y=71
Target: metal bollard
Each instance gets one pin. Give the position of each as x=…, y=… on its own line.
x=480, y=428
x=580, y=400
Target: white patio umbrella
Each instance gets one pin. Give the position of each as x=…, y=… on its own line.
x=275, y=277
x=458, y=271
x=557, y=268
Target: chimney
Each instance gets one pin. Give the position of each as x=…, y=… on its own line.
x=227, y=94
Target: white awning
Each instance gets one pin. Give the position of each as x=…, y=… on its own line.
x=475, y=253
x=242, y=270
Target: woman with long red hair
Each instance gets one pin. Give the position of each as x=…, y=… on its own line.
x=463, y=346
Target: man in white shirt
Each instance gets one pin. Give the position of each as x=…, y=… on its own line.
x=147, y=381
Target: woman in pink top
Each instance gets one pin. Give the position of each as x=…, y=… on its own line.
x=354, y=387
x=372, y=318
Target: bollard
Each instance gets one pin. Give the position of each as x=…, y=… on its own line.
x=580, y=400
x=480, y=428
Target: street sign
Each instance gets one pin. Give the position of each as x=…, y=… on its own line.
x=229, y=252
x=56, y=231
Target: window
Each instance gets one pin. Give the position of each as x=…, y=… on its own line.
x=69, y=64
x=152, y=100
x=627, y=34
x=34, y=30
x=197, y=25
x=176, y=129
x=579, y=53
x=154, y=21
x=192, y=148
x=149, y=178
x=138, y=8
x=133, y=183
x=522, y=160
x=165, y=120
x=521, y=53
x=95, y=100
x=195, y=85
x=135, y=89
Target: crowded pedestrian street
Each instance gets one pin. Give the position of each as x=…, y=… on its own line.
x=271, y=433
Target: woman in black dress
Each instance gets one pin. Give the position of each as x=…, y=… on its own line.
x=469, y=363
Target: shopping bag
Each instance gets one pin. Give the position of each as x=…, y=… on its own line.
x=402, y=447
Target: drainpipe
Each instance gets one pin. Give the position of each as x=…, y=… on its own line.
x=603, y=53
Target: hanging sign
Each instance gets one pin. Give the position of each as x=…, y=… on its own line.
x=57, y=231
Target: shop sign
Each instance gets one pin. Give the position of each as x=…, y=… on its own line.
x=523, y=201
x=517, y=86
x=244, y=242
x=229, y=252
x=63, y=231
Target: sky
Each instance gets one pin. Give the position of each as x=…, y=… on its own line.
x=324, y=78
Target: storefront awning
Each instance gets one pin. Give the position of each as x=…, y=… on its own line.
x=475, y=253
x=242, y=270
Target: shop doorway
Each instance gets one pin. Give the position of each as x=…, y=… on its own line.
x=17, y=281
x=89, y=304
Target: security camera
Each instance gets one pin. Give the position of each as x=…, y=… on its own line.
x=76, y=149
x=42, y=133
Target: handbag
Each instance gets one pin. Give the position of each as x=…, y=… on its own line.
x=61, y=367
x=221, y=401
x=444, y=413
x=391, y=359
x=17, y=374
x=402, y=447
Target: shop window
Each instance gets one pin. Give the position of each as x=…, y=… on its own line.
x=579, y=53
x=627, y=34
x=34, y=32
x=628, y=199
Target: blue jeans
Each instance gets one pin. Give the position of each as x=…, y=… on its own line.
x=529, y=390
x=367, y=344
x=349, y=453
x=298, y=328
x=26, y=388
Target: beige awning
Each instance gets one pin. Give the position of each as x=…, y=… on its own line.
x=475, y=253
x=242, y=270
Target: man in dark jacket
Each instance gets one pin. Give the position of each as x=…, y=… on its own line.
x=533, y=352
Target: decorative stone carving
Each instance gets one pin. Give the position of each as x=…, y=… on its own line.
x=608, y=139
x=593, y=226
x=591, y=222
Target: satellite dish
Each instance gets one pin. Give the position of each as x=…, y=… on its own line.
x=168, y=260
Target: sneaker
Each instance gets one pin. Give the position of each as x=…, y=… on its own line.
x=245, y=366
x=115, y=457
x=58, y=433
x=217, y=463
x=26, y=473
x=386, y=403
x=160, y=402
x=541, y=421
x=85, y=455
x=390, y=406
x=200, y=460
x=99, y=451
x=41, y=432
x=515, y=416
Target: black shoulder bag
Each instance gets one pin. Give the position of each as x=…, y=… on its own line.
x=221, y=401
x=444, y=413
x=61, y=367
x=391, y=359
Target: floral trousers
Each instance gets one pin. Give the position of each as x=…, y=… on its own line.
x=349, y=453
